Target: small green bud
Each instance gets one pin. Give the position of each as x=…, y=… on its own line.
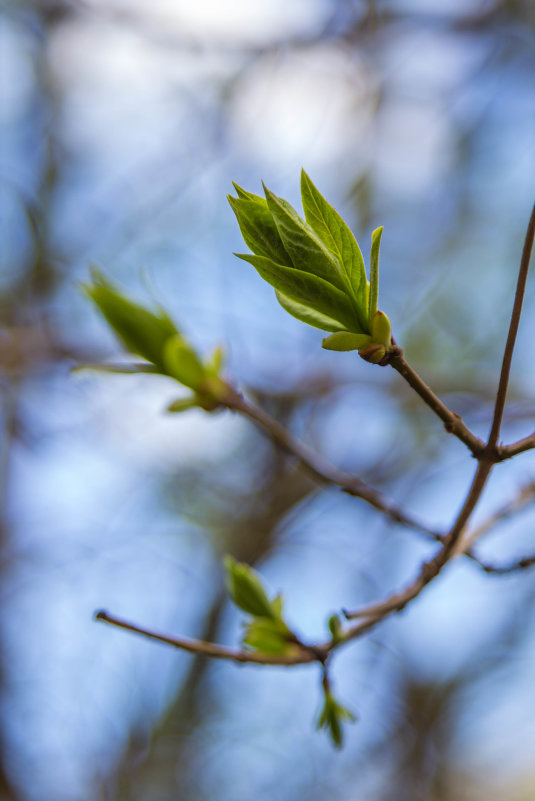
x=381, y=329
x=373, y=353
x=246, y=590
x=335, y=626
x=216, y=361
x=182, y=363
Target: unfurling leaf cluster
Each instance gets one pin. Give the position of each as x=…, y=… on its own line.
x=267, y=632
x=316, y=267
x=154, y=336
x=332, y=716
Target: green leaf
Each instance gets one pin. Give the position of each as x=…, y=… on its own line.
x=306, y=251
x=276, y=606
x=306, y=289
x=344, y=340
x=107, y=367
x=246, y=590
x=242, y=193
x=216, y=361
x=268, y=636
x=141, y=331
x=182, y=363
x=339, y=239
x=258, y=228
x=307, y=315
x=331, y=718
x=374, y=272
x=182, y=405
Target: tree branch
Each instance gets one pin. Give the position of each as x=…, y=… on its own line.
x=320, y=468
x=452, y=422
x=487, y=457
x=300, y=656
x=521, y=446
x=512, y=334
x=429, y=570
x=513, y=567
x=525, y=496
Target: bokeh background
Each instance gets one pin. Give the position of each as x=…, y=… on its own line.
x=122, y=126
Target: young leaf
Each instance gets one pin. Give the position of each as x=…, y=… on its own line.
x=107, y=367
x=182, y=405
x=246, y=590
x=307, y=315
x=306, y=289
x=374, y=272
x=344, y=340
x=182, y=363
x=216, y=361
x=269, y=636
x=276, y=605
x=339, y=239
x=306, y=251
x=141, y=331
x=258, y=228
x=331, y=718
x=242, y=193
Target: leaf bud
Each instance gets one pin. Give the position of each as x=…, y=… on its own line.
x=335, y=627
x=381, y=329
x=246, y=590
x=373, y=353
x=182, y=363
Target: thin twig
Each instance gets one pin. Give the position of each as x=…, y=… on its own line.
x=298, y=656
x=521, y=446
x=429, y=570
x=452, y=422
x=522, y=499
x=514, y=567
x=512, y=334
x=525, y=496
x=319, y=467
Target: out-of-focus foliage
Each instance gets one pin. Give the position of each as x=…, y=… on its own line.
x=122, y=125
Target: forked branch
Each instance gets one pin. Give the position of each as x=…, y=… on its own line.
x=486, y=460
